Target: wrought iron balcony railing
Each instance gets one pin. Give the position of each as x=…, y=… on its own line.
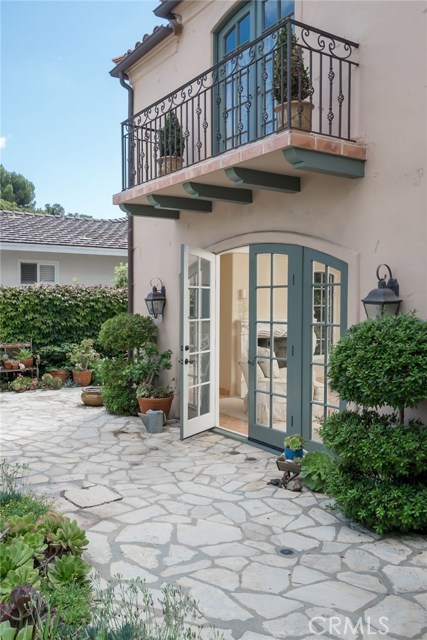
x=245, y=98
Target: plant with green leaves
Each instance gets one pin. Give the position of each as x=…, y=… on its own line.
x=67, y=538
x=21, y=383
x=382, y=362
x=316, y=468
x=13, y=481
x=294, y=442
x=380, y=478
x=23, y=354
x=127, y=612
x=120, y=280
x=171, y=138
x=10, y=633
x=68, y=569
x=300, y=79
x=118, y=393
x=127, y=332
x=83, y=356
x=146, y=369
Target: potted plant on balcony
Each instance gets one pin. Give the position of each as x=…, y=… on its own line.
x=82, y=357
x=300, y=84
x=171, y=145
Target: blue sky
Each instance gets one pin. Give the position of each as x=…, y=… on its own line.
x=61, y=110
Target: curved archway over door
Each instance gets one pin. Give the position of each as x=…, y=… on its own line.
x=297, y=312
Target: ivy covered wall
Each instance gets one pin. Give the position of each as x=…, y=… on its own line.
x=57, y=314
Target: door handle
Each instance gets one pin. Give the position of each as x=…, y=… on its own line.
x=251, y=362
x=187, y=361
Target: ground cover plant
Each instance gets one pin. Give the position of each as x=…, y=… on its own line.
x=380, y=477
x=42, y=574
x=45, y=589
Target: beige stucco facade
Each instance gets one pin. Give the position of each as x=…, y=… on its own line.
x=380, y=218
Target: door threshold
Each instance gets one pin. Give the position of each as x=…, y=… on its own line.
x=245, y=440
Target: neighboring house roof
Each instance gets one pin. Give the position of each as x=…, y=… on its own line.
x=44, y=229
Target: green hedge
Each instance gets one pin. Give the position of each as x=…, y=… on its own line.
x=56, y=314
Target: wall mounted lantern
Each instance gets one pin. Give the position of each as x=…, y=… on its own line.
x=383, y=301
x=155, y=299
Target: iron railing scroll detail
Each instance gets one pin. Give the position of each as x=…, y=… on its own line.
x=244, y=98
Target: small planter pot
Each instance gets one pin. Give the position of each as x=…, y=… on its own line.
x=59, y=374
x=169, y=164
x=27, y=362
x=290, y=454
x=82, y=377
x=15, y=365
x=7, y=364
x=92, y=397
x=298, y=121
x=155, y=404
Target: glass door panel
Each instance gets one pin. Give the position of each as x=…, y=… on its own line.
x=326, y=315
x=272, y=411
x=197, y=340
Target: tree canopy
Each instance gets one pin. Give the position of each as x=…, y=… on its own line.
x=15, y=188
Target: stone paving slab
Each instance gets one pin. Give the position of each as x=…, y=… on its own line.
x=199, y=514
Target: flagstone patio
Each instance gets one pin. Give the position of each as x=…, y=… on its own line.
x=262, y=562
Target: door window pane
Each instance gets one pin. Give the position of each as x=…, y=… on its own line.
x=264, y=269
x=230, y=41
x=263, y=304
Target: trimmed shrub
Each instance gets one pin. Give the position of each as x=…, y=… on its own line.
x=376, y=445
x=382, y=462
x=381, y=505
x=126, y=332
x=118, y=393
x=382, y=362
x=57, y=314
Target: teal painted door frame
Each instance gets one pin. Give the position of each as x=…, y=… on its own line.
x=301, y=341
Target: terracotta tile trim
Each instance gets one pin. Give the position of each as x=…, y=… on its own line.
x=278, y=142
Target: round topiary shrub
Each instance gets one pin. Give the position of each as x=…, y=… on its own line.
x=382, y=362
x=118, y=393
x=380, y=478
x=126, y=332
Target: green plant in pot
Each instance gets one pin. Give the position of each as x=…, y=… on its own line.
x=145, y=372
x=294, y=447
x=82, y=358
x=171, y=144
x=25, y=357
x=300, y=88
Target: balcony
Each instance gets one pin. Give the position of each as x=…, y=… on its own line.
x=239, y=110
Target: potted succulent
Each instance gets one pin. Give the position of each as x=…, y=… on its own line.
x=171, y=145
x=300, y=83
x=25, y=357
x=145, y=371
x=6, y=361
x=82, y=358
x=20, y=384
x=294, y=447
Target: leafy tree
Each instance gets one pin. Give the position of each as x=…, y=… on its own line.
x=16, y=188
x=120, y=280
x=7, y=193
x=23, y=189
x=55, y=209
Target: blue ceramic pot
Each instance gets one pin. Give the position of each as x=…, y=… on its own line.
x=290, y=454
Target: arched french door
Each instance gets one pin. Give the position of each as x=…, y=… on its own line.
x=297, y=313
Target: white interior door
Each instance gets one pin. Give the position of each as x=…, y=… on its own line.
x=198, y=331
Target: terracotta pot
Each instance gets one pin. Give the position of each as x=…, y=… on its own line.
x=297, y=122
x=7, y=364
x=82, y=377
x=92, y=396
x=169, y=164
x=15, y=365
x=60, y=374
x=27, y=362
x=162, y=404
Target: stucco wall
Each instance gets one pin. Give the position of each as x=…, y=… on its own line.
x=379, y=218
x=73, y=268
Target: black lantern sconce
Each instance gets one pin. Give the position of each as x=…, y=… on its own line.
x=156, y=300
x=383, y=301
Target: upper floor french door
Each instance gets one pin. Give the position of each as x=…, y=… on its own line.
x=243, y=105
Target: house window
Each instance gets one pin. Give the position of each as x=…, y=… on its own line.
x=37, y=272
x=323, y=310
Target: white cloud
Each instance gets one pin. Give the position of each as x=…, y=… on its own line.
x=3, y=140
